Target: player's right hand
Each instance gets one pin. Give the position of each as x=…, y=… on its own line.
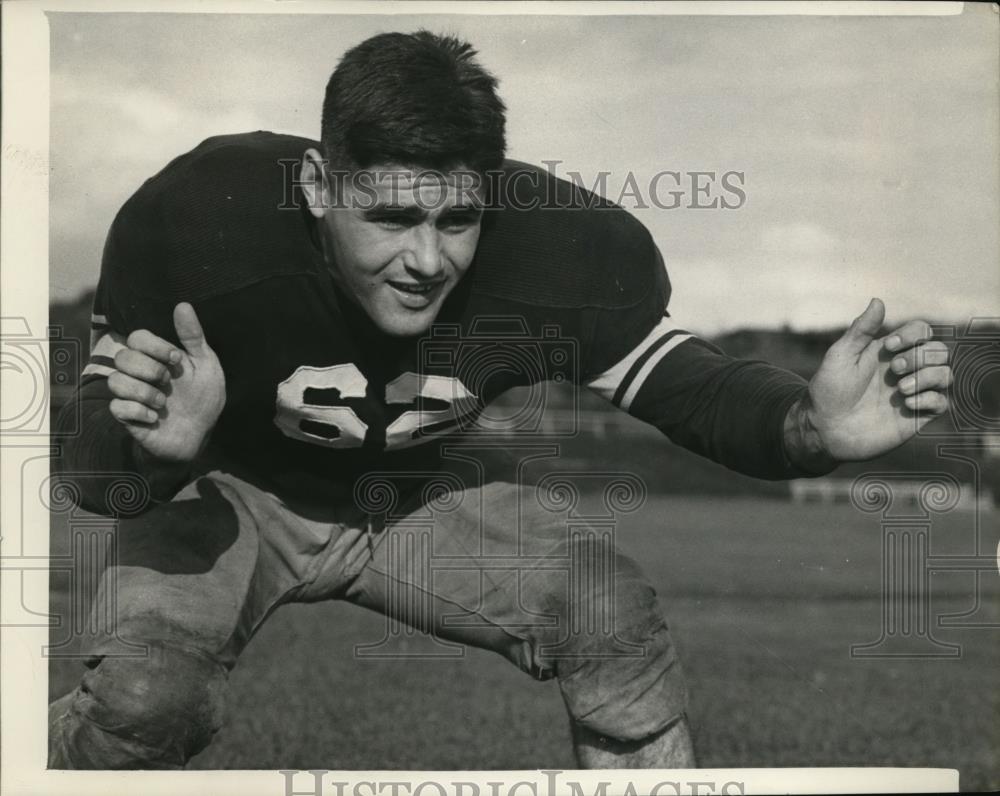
x=169, y=398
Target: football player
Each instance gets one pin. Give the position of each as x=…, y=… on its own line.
x=259, y=355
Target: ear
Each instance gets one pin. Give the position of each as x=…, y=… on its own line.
x=314, y=183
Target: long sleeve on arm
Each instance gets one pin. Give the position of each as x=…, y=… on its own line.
x=98, y=447
x=100, y=451
x=730, y=410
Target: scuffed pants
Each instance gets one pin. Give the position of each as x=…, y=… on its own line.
x=152, y=712
x=471, y=561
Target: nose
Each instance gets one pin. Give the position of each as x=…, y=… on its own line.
x=424, y=260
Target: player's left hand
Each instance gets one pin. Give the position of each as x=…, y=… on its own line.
x=872, y=393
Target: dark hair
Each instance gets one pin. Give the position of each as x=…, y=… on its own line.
x=418, y=100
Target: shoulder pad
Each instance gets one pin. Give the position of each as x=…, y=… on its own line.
x=547, y=241
x=212, y=220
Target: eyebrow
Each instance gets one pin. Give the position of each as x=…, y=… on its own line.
x=415, y=213
x=409, y=212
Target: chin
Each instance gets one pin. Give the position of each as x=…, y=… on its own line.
x=412, y=326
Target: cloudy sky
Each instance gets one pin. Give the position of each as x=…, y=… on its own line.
x=869, y=145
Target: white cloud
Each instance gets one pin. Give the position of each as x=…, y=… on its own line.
x=869, y=145
x=800, y=238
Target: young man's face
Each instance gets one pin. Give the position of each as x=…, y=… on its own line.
x=399, y=241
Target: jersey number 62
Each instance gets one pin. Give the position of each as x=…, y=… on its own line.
x=342, y=426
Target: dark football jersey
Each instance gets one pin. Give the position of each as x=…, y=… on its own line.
x=565, y=286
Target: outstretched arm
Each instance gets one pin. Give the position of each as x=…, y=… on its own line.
x=729, y=410
x=763, y=421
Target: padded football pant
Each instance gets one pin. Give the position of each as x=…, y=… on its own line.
x=469, y=557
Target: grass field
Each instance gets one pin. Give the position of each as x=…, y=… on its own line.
x=765, y=599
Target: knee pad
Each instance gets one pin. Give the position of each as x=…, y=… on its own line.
x=617, y=666
x=155, y=711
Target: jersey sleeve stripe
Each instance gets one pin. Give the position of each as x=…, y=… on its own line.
x=638, y=365
x=103, y=347
x=99, y=320
x=99, y=366
x=615, y=383
x=668, y=344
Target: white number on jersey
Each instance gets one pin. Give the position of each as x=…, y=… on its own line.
x=292, y=408
x=347, y=429
x=406, y=429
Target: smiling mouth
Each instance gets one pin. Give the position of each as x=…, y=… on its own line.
x=415, y=289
